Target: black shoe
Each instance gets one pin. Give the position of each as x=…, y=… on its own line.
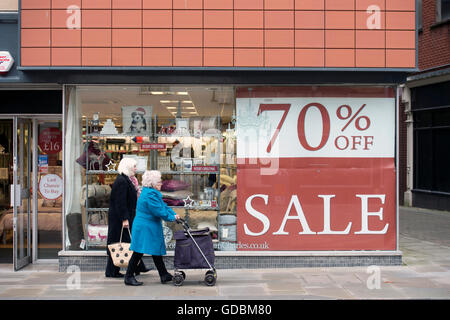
x=166, y=278
x=117, y=275
x=131, y=281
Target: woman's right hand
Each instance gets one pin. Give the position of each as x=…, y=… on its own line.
x=177, y=217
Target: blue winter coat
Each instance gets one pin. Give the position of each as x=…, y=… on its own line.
x=147, y=233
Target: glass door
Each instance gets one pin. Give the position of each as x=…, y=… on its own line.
x=21, y=192
x=47, y=198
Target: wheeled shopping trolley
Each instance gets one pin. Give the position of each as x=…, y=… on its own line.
x=193, y=250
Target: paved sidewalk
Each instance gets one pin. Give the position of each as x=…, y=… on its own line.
x=425, y=274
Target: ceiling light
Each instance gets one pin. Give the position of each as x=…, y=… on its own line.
x=182, y=93
x=157, y=92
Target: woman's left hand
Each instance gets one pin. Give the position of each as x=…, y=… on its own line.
x=177, y=217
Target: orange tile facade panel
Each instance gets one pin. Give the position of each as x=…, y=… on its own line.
x=248, y=57
x=35, y=56
x=157, y=19
x=157, y=37
x=310, y=58
x=218, y=4
x=96, y=57
x=33, y=4
x=191, y=57
x=218, y=19
x=66, y=38
x=188, y=4
x=126, y=18
x=219, y=33
x=156, y=4
x=310, y=39
x=188, y=38
x=66, y=56
x=130, y=57
x=370, y=58
x=62, y=4
x=248, y=38
x=126, y=4
x=309, y=4
x=96, y=4
x=218, y=57
x=156, y=57
x=35, y=38
x=128, y=38
x=248, y=4
x=218, y=38
x=96, y=38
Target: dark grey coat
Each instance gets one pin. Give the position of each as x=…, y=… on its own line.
x=122, y=206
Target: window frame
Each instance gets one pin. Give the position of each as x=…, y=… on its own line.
x=439, y=16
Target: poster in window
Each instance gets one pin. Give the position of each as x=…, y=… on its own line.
x=137, y=120
x=316, y=169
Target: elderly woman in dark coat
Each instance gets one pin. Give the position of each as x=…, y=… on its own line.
x=121, y=213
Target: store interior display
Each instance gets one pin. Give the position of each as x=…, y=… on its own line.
x=94, y=158
x=192, y=150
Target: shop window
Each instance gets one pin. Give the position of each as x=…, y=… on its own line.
x=266, y=166
x=431, y=152
x=419, y=14
x=442, y=10
x=187, y=133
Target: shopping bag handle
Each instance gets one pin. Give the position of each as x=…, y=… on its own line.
x=121, y=231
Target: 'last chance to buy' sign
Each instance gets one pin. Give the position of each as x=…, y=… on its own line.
x=50, y=186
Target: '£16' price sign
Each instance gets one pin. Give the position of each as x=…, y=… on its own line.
x=323, y=127
x=50, y=140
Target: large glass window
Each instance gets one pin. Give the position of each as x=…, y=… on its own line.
x=264, y=168
x=432, y=155
x=187, y=133
x=443, y=10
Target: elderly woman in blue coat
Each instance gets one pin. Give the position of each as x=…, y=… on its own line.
x=147, y=235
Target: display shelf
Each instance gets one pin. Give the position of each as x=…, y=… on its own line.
x=189, y=172
x=172, y=207
x=93, y=172
x=102, y=172
x=200, y=208
x=176, y=135
x=117, y=135
x=97, y=209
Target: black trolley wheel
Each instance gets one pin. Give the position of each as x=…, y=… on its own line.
x=178, y=279
x=210, y=278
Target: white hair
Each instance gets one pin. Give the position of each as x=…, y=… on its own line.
x=150, y=178
x=126, y=166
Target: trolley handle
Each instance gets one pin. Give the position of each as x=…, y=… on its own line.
x=183, y=222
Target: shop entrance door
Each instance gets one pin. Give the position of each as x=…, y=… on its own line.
x=21, y=192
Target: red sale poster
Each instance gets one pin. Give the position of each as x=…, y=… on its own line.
x=316, y=169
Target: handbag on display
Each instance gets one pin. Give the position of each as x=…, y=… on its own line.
x=96, y=160
x=120, y=252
